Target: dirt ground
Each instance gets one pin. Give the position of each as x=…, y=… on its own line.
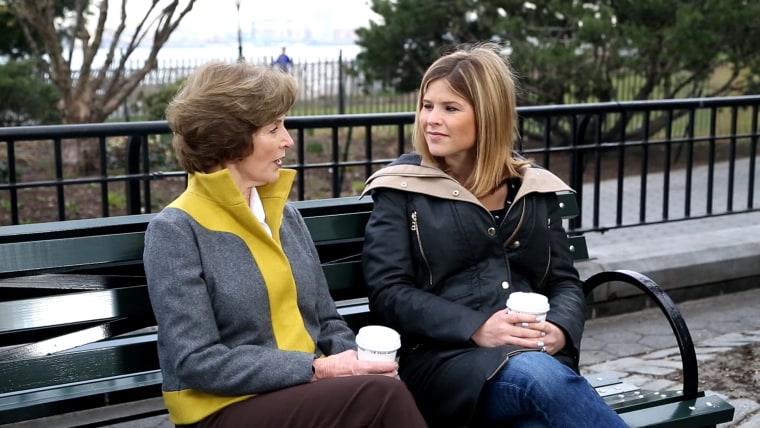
x=735, y=373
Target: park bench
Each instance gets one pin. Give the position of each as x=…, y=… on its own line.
x=77, y=332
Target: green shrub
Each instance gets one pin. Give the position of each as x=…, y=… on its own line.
x=25, y=98
x=154, y=103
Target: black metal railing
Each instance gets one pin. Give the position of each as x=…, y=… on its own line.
x=631, y=163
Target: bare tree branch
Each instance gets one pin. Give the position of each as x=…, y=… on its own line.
x=92, y=97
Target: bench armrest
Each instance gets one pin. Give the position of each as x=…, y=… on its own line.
x=671, y=312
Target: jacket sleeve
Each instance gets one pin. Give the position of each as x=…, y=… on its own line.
x=334, y=334
x=188, y=332
x=390, y=274
x=564, y=289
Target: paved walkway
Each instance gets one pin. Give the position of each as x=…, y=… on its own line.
x=640, y=348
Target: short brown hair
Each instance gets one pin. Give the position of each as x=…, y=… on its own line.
x=479, y=74
x=220, y=106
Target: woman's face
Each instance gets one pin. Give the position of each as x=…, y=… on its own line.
x=263, y=165
x=448, y=121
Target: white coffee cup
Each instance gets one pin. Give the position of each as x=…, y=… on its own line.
x=377, y=343
x=528, y=303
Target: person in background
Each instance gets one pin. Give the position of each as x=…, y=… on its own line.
x=283, y=61
x=456, y=227
x=248, y=334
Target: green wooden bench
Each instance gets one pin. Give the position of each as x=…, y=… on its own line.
x=77, y=332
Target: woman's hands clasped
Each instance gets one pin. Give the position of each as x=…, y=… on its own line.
x=520, y=330
x=347, y=364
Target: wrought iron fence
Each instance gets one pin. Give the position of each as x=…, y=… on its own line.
x=325, y=87
x=632, y=163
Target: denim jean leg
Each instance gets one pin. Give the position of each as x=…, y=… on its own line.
x=535, y=390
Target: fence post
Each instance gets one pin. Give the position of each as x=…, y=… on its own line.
x=341, y=86
x=133, y=168
x=576, y=167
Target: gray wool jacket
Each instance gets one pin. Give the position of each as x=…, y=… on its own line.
x=239, y=312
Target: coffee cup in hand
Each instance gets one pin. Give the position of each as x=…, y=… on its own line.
x=528, y=303
x=377, y=343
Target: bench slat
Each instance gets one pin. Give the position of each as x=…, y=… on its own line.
x=80, y=337
x=81, y=389
x=111, y=391
x=74, y=282
x=320, y=207
x=74, y=308
x=68, y=253
x=699, y=412
x=74, y=228
x=72, y=367
x=337, y=226
x=345, y=276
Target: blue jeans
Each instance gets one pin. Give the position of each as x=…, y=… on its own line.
x=535, y=390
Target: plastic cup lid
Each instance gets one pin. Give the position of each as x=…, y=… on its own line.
x=534, y=303
x=378, y=338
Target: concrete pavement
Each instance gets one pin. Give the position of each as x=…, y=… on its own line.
x=640, y=348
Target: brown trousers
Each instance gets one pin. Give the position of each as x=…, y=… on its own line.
x=344, y=402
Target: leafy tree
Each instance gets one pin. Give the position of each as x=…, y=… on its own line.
x=24, y=97
x=574, y=50
x=12, y=42
x=97, y=89
x=155, y=103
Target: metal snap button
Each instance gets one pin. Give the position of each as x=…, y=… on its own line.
x=491, y=231
x=505, y=285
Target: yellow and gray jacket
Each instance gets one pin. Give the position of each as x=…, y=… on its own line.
x=239, y=312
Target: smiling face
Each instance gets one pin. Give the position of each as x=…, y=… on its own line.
x=448, y=121
x=263, y=165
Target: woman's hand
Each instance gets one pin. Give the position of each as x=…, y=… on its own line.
x=520, y=330
x=347, y=364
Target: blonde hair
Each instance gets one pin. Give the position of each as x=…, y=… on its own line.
x=220, y=106
x=480, y=75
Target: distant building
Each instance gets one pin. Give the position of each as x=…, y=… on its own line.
x=308, y=31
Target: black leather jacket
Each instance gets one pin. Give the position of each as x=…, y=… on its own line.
x=438, y=265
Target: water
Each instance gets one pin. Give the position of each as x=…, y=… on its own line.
x=300, y=53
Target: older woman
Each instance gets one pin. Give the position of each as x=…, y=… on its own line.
x=247, y=332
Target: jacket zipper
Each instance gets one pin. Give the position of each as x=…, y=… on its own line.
x=542, y=283
x=506, y=359
x=416, y=229
x=518, y=228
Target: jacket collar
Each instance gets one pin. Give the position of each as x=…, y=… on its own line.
x=219, y=187
x=426, y=179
